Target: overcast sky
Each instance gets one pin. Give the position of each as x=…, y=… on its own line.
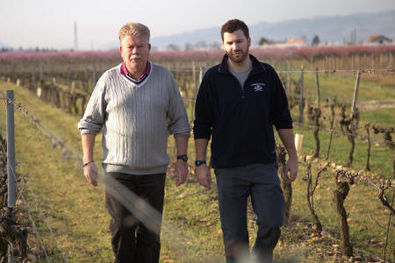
x=50, y=23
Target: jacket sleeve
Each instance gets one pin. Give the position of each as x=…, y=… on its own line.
x=94, y=116
x=204, y=111
x=177, y=116
x=281, y=115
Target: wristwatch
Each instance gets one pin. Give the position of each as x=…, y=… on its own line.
x=183, y=157
x=199, y=162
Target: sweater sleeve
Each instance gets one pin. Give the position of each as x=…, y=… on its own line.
x=280, y=110
x=204, y=113
x=94, y=116
x=178, y=123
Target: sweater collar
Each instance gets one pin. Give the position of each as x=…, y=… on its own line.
x=257, y=67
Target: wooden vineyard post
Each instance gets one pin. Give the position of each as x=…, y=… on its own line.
x=354, y=100
x=11, y=150
x=367, y=128
x=301, y=103
x=11, y=175
x=332, y=121
x=353, y=121
x=316, y=118
x=317, y=81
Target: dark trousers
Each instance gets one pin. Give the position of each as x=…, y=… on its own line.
x=131, y=240
x=235, y=185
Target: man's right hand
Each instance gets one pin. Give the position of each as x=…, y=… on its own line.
x=203, y=175
x=91, y=173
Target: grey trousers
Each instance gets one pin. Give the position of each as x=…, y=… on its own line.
x=235, y=185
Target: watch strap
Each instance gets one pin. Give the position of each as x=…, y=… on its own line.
x=183, y=157
x=87, y=163
x=199, y=162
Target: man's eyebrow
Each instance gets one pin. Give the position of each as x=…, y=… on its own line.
x=235, y=40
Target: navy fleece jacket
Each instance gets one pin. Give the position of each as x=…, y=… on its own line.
x=240, y=119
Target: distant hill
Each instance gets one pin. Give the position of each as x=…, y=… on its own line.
x=2, y=45
x=330, y=29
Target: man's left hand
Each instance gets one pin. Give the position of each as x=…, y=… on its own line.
x=181, y=172
x=291, y=170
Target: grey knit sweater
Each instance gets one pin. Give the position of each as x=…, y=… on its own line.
x=136, y=120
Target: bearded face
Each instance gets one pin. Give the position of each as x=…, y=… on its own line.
x=236, y=46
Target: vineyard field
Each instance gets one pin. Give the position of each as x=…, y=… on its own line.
x=71, y=224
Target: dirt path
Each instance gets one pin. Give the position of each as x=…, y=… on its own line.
x=371, y=105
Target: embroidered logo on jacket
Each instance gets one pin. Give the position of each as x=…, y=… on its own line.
x=258, y=87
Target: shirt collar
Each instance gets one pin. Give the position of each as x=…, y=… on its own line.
x=125, y=72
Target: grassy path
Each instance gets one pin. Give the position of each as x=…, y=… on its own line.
x=70, y=206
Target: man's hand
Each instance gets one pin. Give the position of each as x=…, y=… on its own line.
x=91, y=173
x=203, y=175
x=290, y=171
x=181, y=171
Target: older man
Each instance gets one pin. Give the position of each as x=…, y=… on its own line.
x=136, y=105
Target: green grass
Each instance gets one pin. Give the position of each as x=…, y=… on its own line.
x=342, y=87
x=383, y=116
x=191, y=228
